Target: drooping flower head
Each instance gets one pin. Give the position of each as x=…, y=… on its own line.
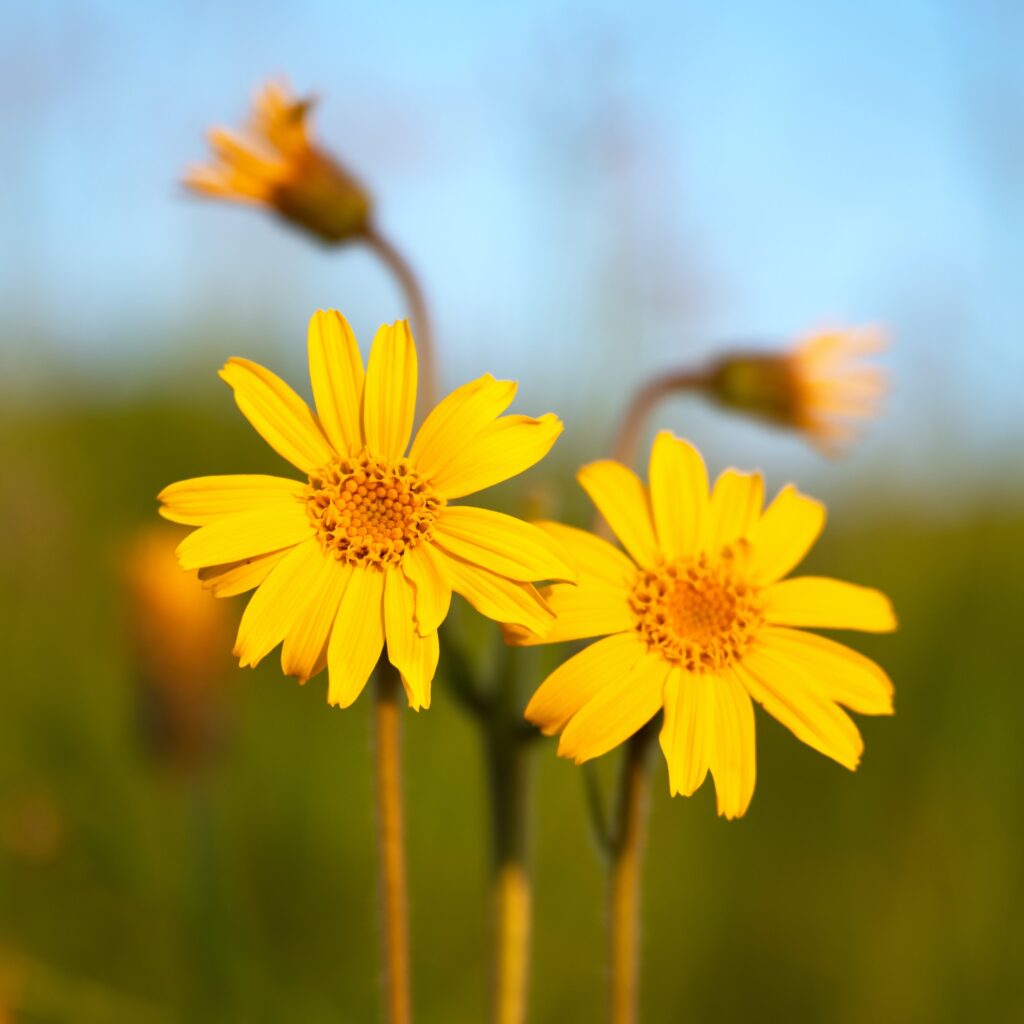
x=367, y=547
x=697, y=619
x=819, y=387
x=278, y=166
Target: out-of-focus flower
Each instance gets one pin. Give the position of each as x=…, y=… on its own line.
x=820, y=387
x=698, y=620
x=277, y=165
x=367, y=548
x=177, y=634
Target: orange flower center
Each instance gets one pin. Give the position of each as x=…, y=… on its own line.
x=696, y=612
x=367, y=511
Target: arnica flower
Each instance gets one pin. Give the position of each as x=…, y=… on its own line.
x=697, y=620
x=277, y=165
x=367, y=547
x=820, y=387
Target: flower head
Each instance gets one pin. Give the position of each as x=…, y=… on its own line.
x=697, y=620
x=367, y=547
x=278, y=166
x=818, y=387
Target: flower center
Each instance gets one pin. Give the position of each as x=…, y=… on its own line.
x=367, y=511
x=696, y=611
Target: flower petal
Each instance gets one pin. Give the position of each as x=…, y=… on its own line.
x=581, y=612
x=496, y=597
x=457, y=420
x=336, y=373
x=596, y=559
x=503, y=449
x=735, y=506
x=237, y=577
x=679, y=495
x=785, y=533
x=389, y=396
x=413, y=655
x=278, y=602
x=205, y=499
x=823, y=603
x=279, y=416
x=783, y=689
x=843, y=674
x=733, y=748
x=303, y=650
x=687, y=731
x=620, y=497
x=357, y=637
x=580, y=678
x=425, y=569
x=244, y=535
x=622, y=707
x=500, y=543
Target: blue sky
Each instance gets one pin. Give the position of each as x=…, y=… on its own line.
x=591, y=191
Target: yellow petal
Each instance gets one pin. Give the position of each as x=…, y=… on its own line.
x=425, y=569
x=581, y=678
x=687, y=731
x=503, y=449
x=735, y=506
x=496, y=597
x=622, y=500
x=303, y=651
x=785, y=533
x=336, y=373
x=389, y=397
x=503, y=544
x=413, y=655
x=457, y=420
x=276, y=605
x=244, y=535
x=238, y=577
x=622, y=707
x=784, y=691
x=205, y=499
x=843, y=674
x=357, y=637
x=679, y=495
x=596, y=560
x=581, y=612
x=823, y=603
x=279, y=416
x=733, y=749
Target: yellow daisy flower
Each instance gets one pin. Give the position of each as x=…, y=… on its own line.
x=368, y=547
x=278, y=166
x=819, y=387
x=697, y=619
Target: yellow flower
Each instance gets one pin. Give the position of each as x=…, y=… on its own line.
x=698, y=620
x=279, y=167
x=367, y=547
x=818, y=387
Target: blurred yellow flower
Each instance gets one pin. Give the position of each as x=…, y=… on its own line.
x=278, y=166
x=698, y=620
x=367, y=547
x=818, y=387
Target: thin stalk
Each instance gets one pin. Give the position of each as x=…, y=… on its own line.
x=391, y=847
x=409, y=282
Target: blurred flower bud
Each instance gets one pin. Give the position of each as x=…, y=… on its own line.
x=819, y=387
x=177, y=635
x=276, y=165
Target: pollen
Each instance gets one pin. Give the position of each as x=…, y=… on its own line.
x=697, y=612
x=369, y=512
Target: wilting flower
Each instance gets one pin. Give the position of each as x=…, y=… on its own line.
x=278, y=166
x=367, y=547
x=697, y=619
x=177, y=636
x=818, y=387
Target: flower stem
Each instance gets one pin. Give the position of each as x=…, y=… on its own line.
x=624, y=883
x=391, y=847
x=409, y=282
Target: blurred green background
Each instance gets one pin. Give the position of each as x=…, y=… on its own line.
x=591, y=193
